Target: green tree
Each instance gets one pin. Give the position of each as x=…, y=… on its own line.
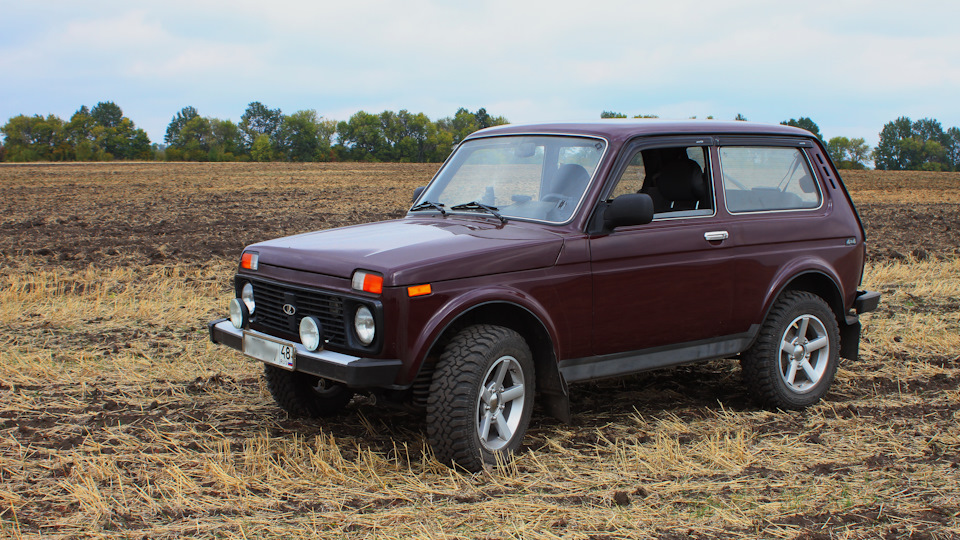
x=646, y=116
x=804, y=123
x=439, y=144
x=124, y=141
x=259, y=120
x=920, y=145
x=361, y=138
x=415, y=130
x=302, y=137
x=186, y=114
x=82, y=133
x=465, y=122
x=261, y=150
x=107, y=114
x=888, y=154
x=953, y=148
x=740, y=118
x=35, y=138
x=114, y=135
x=848, y=153
x=195, y=140
x=858, y=153
x=484, y=120
x=612, y=114
x=226, y=145
x=191, y=137
x=101, y=134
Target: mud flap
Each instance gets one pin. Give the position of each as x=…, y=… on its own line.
x=850, y=340
x=553, y=390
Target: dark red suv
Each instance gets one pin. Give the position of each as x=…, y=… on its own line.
x=542, y=255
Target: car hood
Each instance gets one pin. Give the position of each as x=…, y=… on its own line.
x=416, y=250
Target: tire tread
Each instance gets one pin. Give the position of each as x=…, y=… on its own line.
x=450, y=405
x=760, y=364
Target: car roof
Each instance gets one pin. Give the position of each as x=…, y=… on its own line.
x=621, y=129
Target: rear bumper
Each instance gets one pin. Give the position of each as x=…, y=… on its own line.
x=866, y=301
x=351, y=370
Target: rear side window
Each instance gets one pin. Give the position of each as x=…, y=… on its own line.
x=758, y=179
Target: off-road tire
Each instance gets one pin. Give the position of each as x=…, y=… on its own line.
x=459, y=398
x=302, y=394
x=766, y=365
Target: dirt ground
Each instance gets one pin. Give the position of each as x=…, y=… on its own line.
x=118, y=419
x=129, y=213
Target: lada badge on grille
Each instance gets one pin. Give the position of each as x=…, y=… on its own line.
x=289, y=309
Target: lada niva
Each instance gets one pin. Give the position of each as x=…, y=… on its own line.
x=550, y=254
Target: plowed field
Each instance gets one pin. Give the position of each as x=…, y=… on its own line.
x=119, y=420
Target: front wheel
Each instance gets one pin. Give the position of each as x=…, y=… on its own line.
x=481, y=397
x=795, y=357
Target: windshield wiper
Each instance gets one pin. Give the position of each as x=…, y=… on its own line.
x=477, y=205
x=427, y=205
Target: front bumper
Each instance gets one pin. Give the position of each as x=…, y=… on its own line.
x=351, y=370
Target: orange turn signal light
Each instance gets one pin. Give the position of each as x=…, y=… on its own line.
x=373, y=283
x=419, y=290
x=250, y=260
x=367, y=282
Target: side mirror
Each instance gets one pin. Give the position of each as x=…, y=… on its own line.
x=628, y=209
x=416, y=193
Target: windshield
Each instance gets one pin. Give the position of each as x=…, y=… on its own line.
x=540, y=178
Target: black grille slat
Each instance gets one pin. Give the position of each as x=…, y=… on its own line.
x=328, y=308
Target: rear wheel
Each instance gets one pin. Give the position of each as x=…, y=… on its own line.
x=795, y=357
x=481, y=397
x=302, y=394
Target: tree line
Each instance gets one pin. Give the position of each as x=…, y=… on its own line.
x=904, y=145
x=103, y=133
x=263, y=134
x=98, y=134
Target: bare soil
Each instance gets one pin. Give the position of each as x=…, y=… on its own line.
x=143, y=213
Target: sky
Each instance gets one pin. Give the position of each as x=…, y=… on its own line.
x=850, y=65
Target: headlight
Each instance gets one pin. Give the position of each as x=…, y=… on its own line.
x=364, y=325
x=239, y=315
x=310, y=333
x=246, y=294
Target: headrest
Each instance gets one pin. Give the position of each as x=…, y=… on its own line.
x=682, y=180
x=571, y=179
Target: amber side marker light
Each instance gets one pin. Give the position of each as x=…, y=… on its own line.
x=250, y=260
x=419, y=290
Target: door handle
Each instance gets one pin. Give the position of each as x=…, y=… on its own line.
x=716, y=236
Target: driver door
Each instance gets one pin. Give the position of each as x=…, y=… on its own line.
x=670, y=281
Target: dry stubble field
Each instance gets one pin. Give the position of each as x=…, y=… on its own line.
x=119, y=420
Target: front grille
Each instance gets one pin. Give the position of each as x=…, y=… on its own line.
x=270, y=317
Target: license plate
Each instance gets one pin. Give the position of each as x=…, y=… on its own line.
x=276, y=353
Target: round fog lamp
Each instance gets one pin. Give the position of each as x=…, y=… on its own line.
x=246, y=294
x=239, y=315
x=310, y=333
x=364, y=325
